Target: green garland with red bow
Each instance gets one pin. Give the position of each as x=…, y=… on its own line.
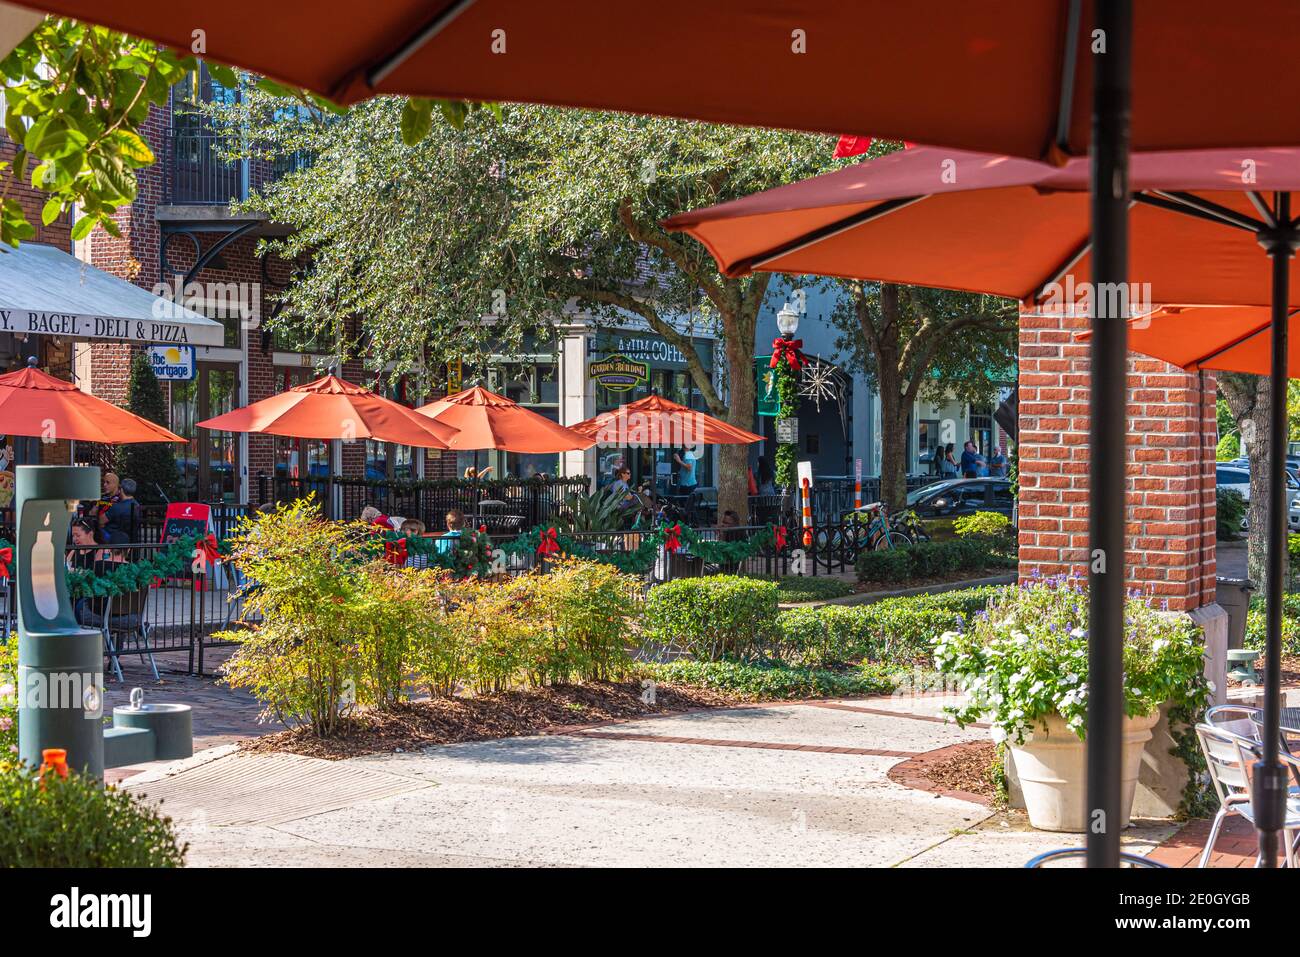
x=787, y=360
x=546, y=542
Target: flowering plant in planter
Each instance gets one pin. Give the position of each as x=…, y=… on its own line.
x=1026, y=657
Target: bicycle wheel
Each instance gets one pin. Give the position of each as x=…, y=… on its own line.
x=890, y=538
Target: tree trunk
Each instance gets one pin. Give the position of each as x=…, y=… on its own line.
x=893, y=449
x=1250, y=400
x=733, y=460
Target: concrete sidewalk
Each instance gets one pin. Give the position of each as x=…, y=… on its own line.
x=782, y=785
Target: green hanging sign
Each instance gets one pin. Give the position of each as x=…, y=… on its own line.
x=766, y=401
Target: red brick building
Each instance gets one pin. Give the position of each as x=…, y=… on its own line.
x=1171, y=440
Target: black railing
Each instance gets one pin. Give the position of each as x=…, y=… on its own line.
x=149, y=528
x=831, y=499
x=201, y=172
x=503, y=505
x=182, y=613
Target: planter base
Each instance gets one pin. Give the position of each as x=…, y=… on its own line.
x=1050, y=769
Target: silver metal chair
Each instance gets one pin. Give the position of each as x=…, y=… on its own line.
x=1228, y=756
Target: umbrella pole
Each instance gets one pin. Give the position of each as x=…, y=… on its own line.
x=1270, y=779
x=1112, y=74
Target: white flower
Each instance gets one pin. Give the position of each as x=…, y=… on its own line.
x=997, y=734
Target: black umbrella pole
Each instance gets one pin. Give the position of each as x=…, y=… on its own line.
x=1270, y=780
x=1108, y=430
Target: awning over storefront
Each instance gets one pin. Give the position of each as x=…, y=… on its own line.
x=45, y=291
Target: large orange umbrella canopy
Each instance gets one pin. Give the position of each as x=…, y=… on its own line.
x=35, y=403
x=658, y=422
x=1220, y=338
x=330, y=408
x=485, y=420
x=1011, y=227
x=971, y=75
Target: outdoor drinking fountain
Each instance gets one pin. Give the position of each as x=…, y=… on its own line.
x=60, y=662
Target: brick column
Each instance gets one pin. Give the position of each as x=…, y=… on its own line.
x=1171, y=444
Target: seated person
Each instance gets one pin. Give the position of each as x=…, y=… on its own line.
x=85, y=548
x=455, y=524
x=414, y=528
x=731, y=526
x=374, y=516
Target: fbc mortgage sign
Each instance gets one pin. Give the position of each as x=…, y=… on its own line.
x=172, y=362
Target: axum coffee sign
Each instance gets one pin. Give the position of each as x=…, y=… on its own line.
x=76, y=326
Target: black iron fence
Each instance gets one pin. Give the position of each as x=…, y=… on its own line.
x=504, y=505
x=831, y=499
x=184, y=613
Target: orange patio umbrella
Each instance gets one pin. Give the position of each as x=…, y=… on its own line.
x=1219, y=338
x=1012, y=77
x=330, y=408
x=34, y=403
x=658, y=422
x=485, y=420
x=1200, y=228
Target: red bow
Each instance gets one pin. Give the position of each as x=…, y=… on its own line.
x=482, y=529
x=395, y=552
x=206, y=548
x=548, y=545
x=6, y=556
x=849, y=145
x=674, y=540
x=788, y=349
x=780, y=536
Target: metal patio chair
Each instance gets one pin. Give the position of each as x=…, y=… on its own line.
x=124, y=622
x=1228, y=756
x=1071, y=853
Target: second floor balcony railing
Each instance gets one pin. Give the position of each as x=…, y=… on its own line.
x=202, y=173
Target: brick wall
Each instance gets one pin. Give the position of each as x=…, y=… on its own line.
x=1170, y=439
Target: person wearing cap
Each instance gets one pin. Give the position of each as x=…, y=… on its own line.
x=119, y=524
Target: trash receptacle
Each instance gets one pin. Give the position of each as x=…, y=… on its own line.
x=1233, y=596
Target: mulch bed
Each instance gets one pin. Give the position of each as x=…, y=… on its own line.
x=418, y=724
x=959, y=770
x=967, y=769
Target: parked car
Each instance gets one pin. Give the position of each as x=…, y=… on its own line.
x=1227, y=476
x=940, y=504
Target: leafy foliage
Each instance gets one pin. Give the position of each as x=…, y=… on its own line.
x=992, y=524
x=799, y=588
x=1229, y=510
x=1026, y=657
x=8, y=699
x=76, y=97
x=712, y=618
x=935, y=559
x=49, y=821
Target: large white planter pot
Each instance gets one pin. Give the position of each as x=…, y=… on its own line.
x=1051, y=766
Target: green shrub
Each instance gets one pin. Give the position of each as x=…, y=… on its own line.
x=975, y=552
x=991, y=524
x=77, y=822
x=583, y=609
x=713, y=617
x=886, y=565
x=895, y=631
x=1027, y=658
x=1229, y=448
x=767, y=681
x=8, y=700
x=1229, y=510
x=1257, y=630
x=791, y=589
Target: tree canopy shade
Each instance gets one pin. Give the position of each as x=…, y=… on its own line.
x=918, y=343
x=477, y=241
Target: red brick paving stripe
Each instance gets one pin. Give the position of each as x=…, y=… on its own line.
x=889, y=714
x=770, y=745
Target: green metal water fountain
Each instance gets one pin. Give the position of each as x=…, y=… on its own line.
x=60, y=662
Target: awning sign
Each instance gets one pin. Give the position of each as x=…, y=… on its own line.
x=174, y=363
x=618, y=373
x=75, y=326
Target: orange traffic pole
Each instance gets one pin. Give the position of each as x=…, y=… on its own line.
x=806, y=491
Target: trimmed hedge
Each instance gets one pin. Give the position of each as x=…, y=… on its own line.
x=933, y=559
x=895, y=630
x=718, y=616
x=798, y=588
x=768, y=681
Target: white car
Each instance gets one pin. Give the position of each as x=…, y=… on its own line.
x=1228, y=476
